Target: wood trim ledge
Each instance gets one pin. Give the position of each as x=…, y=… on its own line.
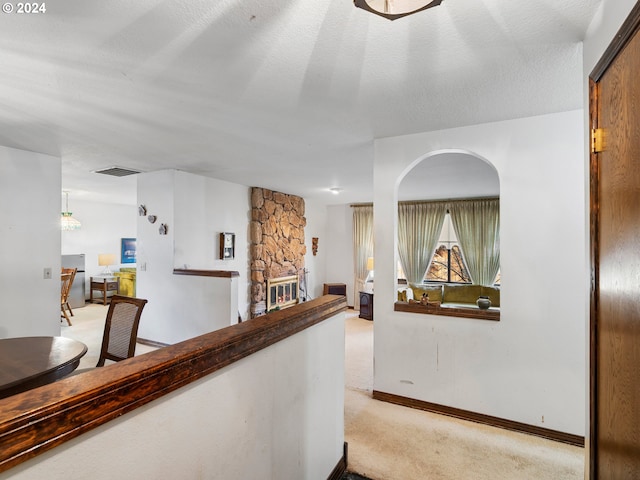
x=341, y=467
x=473, y=313
x=547, y=433
x=38, y=420
x=206, y=273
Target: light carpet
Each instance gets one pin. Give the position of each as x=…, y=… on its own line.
x=392, y=442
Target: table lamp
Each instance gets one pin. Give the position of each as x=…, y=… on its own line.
x=106, y=260
x=368, y=283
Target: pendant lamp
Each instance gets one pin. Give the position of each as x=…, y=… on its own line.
x=67, y=222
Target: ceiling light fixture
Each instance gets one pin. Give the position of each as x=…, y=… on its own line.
x=335, y=190
x=67, y=222
x=394, y=9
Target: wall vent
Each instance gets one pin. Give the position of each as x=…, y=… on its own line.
x=117, y=171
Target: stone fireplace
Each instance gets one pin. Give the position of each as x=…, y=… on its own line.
x=277, y=249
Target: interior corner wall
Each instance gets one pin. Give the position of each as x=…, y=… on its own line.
x=30, y=191
x=195, y=210
x=339, y=246
x=315, y=265
x=528, y=367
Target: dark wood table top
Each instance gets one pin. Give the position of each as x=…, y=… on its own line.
x=29, y=362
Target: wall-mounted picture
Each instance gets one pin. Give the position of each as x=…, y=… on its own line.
x=128, y=250
x=227, y=245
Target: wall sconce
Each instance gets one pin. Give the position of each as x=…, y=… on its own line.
x=106, y=260
x=394, y=9
x=314, y=245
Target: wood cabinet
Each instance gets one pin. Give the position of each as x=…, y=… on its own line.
x=104, y=284
x=366, y=305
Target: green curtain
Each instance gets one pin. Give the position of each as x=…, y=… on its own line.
x=477, y=226
x=419, y=226
x=362, y=244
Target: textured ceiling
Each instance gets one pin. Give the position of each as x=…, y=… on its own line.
x=282, y=94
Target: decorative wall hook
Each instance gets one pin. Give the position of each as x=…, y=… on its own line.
x=163, y=229
x=142, y=210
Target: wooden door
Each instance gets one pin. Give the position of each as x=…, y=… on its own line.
x=615, y=316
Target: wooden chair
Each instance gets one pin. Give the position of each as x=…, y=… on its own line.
x=121, y=329
x=66, y=279
x=73, y=272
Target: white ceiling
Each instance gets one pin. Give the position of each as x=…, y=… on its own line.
x=282, y=94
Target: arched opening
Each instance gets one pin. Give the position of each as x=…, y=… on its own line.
x=448, y=218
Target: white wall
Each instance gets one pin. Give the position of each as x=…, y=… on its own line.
x=195, y=209
x=103, y=225
x=316, y=215
x=530, y=365
x=277, y=414
x=30, y=188
x=339, y=243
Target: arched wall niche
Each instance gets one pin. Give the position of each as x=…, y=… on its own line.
x=446, y=175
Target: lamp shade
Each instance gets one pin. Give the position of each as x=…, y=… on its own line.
x=393, y=9
x=370, y=263
x=106, y=259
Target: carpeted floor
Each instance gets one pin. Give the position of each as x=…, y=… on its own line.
x=391, y=442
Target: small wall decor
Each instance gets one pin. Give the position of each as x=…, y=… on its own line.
x=227, y=245
x=314, y=245
x=152, y=218
x=163, y=229
x=127, y=250
x=142, y=210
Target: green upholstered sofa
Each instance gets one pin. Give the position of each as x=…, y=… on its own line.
x=450, y=295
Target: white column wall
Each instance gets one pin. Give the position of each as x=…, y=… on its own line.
x=529, y=367
x=277, y=414
x=195, y=209
x=316, y=215
x=30, y=192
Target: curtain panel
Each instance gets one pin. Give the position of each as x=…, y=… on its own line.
x=477, y=226
x=362, y=245
x=419, y=226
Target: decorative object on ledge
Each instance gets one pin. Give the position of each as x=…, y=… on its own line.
x=142, y=210
x=227, y=245
x=483, y=302
x=163, y=229
x=394, y=9
x=314, y=245
x=152, y=218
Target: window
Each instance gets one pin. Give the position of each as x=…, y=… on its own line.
x=447, y=265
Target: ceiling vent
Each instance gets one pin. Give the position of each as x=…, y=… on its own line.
x=117, y=171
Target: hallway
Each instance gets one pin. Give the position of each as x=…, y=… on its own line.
x=391, y=442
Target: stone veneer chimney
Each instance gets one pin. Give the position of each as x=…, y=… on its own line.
x=277, y=246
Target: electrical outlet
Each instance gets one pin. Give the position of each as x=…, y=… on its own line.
x=47, y=273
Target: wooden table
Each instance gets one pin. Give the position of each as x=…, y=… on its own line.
x=104, y=284
x=29, y=362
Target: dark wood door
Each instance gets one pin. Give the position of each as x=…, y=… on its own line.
x=615, y=319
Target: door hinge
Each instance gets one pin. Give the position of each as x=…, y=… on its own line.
x=597, y=140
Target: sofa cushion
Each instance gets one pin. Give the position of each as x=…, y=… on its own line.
x=468, y=294
x=433, y=291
